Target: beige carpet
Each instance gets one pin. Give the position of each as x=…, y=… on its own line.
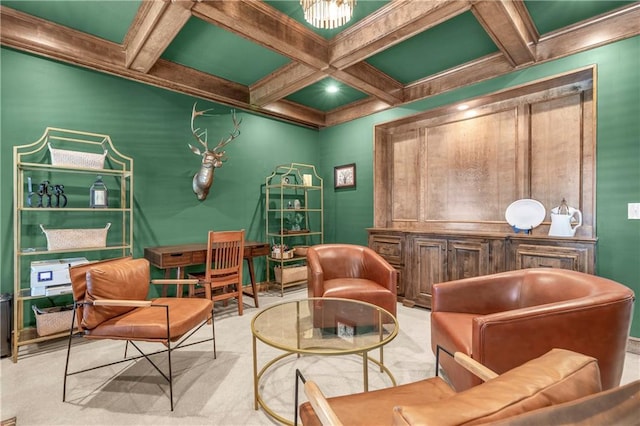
x=206, y=391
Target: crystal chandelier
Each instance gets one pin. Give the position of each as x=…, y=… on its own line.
x=327, y=14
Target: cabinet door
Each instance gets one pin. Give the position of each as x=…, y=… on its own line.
x=429, y=266
x=468, y=259
x=547, y=256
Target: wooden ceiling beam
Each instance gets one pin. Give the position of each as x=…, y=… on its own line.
x=618, y=25
x=355, y=110
x=510, y=27
x=372, y=81
x=390, y=25
x=283, y=82
x=155, y=26
x=294, y=112
x=263, y=25
x=28, y=33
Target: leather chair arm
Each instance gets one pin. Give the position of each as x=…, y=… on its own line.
x=478, y=295
x=175, y=281
x=506, y=339
x=129, y=303
x=378, y=270
x=315, y=275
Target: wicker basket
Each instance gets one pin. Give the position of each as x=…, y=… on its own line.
x=67, y=158
x=53, y=320
x=64, y=239
x=290, y=274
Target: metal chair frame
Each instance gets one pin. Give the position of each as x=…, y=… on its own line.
x=166, y=341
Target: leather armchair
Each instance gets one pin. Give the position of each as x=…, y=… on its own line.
x=504, y=320
x=351, y=272
x=557, y=377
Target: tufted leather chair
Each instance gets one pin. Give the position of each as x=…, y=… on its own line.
x=351, y=272
x=504, y=320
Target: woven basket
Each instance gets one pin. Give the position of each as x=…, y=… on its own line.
x=290, y=274
x=53, y=320
x=64, y=239
x=67, y=158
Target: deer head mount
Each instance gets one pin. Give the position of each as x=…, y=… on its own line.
x=211, y=158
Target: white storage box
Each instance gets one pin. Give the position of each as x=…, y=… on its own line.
x=65, y=239
x=50, y=277
x=290, y=274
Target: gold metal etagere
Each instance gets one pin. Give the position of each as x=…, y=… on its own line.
x=294, y=216
x=34, y=159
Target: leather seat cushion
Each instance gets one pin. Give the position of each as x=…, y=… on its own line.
x=150, y=323
x=360, y=289
x=375, y=407
x=556, y=377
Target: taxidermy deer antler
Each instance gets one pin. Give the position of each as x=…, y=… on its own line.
x=211, y=158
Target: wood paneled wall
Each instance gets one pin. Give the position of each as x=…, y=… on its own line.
x=448, y=169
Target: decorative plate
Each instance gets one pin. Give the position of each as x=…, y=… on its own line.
x=525, y=214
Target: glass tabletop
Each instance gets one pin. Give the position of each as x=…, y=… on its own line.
x=329, y=326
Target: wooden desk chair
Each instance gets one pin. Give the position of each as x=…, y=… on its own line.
x=222, y=278
x=110, y=303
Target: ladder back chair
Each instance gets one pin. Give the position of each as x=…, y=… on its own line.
x=222, y=278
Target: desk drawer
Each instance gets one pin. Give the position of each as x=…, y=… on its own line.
x=199, y=257
x=177, y=259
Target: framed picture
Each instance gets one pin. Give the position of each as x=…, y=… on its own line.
x=344, y=176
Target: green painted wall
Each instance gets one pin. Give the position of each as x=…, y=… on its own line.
x=152, y=126
x=349, y=213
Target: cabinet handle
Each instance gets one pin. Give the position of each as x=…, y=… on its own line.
x=176, y=254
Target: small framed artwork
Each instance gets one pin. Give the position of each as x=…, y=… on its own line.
x=344, y=176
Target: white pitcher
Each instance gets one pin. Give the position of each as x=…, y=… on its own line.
x=564, y=220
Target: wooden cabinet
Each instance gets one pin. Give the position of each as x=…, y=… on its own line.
x=391, y=247
x=52, y=180
x=434, y=257
x=565, y=253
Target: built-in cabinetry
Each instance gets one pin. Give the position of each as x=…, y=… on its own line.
x=52, y=178
x=444, y=178
x=294, y=220
x=428, y=258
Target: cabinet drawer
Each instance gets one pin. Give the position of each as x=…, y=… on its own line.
x=177, y=259
x=389, y=247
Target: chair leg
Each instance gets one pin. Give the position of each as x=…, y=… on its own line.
x=66, y=364
x=240, y=305
x=170, y=373
x=213, y=331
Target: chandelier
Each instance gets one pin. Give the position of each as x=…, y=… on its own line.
x=327, y=14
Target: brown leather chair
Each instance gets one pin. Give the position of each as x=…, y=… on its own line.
x=557, y=377
x=351, y=272
x=504, y=320
x=110, y=303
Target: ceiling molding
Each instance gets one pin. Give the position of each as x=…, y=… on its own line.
x=283, y=82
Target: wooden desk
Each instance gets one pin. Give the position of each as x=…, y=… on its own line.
x=181, y=255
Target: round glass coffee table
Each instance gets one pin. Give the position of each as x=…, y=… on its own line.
x=321, y=326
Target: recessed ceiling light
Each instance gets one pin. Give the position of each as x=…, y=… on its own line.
x=463, y=107
x=332, y=88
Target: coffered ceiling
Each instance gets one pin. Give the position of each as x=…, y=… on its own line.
x=262, y=56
